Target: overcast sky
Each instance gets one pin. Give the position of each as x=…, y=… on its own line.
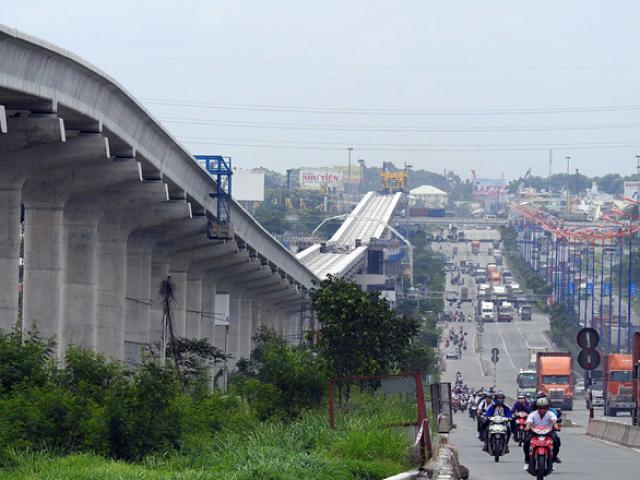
x=291, y=83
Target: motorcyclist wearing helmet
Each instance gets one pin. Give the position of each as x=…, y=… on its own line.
x=521, y=405
x=556, y=411
x=499, y=409
x=483, y=406
x=542, y=416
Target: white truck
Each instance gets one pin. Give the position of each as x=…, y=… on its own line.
x=505, y=312
x=487, y=313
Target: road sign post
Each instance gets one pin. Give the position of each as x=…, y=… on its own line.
x=589, y=358
x=495, y=358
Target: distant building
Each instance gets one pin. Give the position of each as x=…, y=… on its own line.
x=428, y=196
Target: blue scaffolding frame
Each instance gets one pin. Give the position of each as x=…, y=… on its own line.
x=219, y=167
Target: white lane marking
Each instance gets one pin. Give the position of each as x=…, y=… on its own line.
x=504, y=343
x=526, y=342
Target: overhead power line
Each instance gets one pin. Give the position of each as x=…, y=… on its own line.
x=333, y=66
x=394, y=129
x=406, y=147
x=383, y=111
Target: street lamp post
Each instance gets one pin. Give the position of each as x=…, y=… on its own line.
x=567, y=185
x=348, y=186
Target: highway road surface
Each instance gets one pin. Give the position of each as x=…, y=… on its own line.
x=583, y=457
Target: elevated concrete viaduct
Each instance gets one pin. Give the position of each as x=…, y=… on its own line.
x=108, y=205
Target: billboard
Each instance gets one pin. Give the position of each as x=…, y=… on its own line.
x=248, y=186
x=491, y=187
x=320, y=178
x=353, y=177
x=631, y=190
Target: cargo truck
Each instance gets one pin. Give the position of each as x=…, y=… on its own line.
x=636, y=377
x=618, y=384
x=494, y=277
x=533, y=355
x=555, y=377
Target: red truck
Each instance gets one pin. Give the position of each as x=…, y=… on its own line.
x=555, y=377
x=635, y=362
x=617, y=388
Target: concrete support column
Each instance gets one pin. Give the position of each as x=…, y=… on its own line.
x=246, y=328
x=208, y=325
x=139, y=293
x=43, y=251
x=194, y=308
x=280, y=323
x=112, y=273
x=159, y=271
x=235, y=320
x=179, y=312
x=256, y=319
x=266, y=317
x=79, y=277
x=10, y=199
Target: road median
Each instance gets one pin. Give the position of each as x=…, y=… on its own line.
x=614, y=432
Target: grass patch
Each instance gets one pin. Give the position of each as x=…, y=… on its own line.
x=361, y=448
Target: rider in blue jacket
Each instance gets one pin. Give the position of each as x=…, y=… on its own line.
x=498, y=409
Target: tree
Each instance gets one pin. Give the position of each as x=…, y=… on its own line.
x=272, y=219
x=360, y=334
x=195, y=357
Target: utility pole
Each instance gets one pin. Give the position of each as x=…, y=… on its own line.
x=350, y=150
x=567, y=185
x=550, y=164
x=362, y=173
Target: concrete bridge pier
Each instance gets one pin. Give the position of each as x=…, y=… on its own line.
x=10, y=198
x=143, y=312
x=246, y=320
x=208, y=307
x=79, y=276
x=235, y=318
x=256, y=319
x=194, y=318
x=21, y=150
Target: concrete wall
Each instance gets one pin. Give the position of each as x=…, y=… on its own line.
x=614, y=432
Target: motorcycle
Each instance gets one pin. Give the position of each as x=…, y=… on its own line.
x=472, y=409
x=520, y=423
x=497, y=435
x=455, y=404
x=541, y=452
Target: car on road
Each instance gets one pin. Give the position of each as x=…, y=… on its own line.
x=453, y=353
x=451, y=296
x=598, y=396
x=525, y=312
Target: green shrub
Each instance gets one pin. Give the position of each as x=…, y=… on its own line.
x=24, y=359
x=279, y=380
